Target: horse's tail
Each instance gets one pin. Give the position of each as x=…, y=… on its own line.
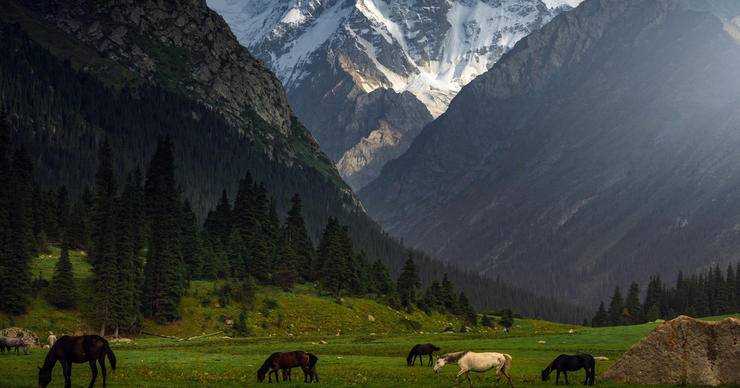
x=507, y=363
x=111, y=356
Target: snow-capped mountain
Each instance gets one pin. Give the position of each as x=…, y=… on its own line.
x=332, y=51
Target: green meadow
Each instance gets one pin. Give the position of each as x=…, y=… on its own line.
x=358, y=341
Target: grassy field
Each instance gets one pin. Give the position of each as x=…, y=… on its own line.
x=352, y=349
x=364, y=360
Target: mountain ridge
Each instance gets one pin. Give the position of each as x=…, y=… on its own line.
x=580, y=158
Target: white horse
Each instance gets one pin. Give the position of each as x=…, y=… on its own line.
x=477, y=362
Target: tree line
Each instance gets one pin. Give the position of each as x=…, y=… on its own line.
x=62, y=115
x=144, y=244
x=712, y=292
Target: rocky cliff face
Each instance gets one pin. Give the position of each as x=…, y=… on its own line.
x=332, y=54
x=181, y=45
x=600, y=149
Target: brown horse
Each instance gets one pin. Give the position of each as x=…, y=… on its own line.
x=285, y=361
x=68, y=350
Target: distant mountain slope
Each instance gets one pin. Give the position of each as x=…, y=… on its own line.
x=70, y=77
x=600, y=149
x=331, y=55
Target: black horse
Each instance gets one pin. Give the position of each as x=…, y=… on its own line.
x=68, y=350
x=420, y=350
x=565, y=363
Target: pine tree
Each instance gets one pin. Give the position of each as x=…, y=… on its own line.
x=295, y=227
x=165, y=270
x=447, y=296
x=18, y=244
x=79, y=230
x=62, y=212
x=61, y=292
x=601, y=318
x=190, y=242
x=286, y=274
x=380, y=280
x=730, y=290
x=632, y=305
x=408, y=282
x=467, y=311
x=616, y=308
x=104, y=251
x=218, y=222
x=336, y=265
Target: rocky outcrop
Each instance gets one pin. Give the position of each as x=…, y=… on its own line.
x=600, y=149
x=180, y=45
x=683, y=351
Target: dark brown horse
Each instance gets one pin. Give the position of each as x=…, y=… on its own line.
x=68, y=350
x=286, y=361
x=565, y=363
x=419, y=350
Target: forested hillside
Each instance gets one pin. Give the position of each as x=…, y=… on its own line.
x=65, y=98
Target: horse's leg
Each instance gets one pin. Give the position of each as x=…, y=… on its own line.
x=94, y=370
x=470, y=382
x=421, y=360
x=104, y=371
x=565, y=373
x=557, y=378
x=67, y=369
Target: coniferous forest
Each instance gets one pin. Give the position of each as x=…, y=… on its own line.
x=65, y=119
x=713, y=292
x=142, y=231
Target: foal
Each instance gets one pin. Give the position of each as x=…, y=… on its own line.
x=477, y=362
x=565, y=363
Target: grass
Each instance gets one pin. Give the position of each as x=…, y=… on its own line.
x=364, y=353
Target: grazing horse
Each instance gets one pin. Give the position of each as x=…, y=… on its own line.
x=565, y=363
x=312, y=360
x=68, y=350
x=420, y=350
x=13, y=342
x=286, y=361
x=477, y=362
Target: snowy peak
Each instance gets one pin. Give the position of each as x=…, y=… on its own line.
x=430, y=48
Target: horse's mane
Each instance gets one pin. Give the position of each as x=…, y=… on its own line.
x=455, y=357
x=266, y=365
x=411, y=354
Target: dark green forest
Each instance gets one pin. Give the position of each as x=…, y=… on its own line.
x=708, y=293
x=62, y=117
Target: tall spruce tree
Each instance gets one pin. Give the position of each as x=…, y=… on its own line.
x=218, y=222
x=190, y=242
x=380, y=280
x=287, y=261
x=15, y=226
x=447, y=296
x=336, y=272
x=61, y=292
x=632, y=305
x=601, y=318
x=466, y=310
x=408, y=282
x=104, y=251
x=616, y=308
x=165, y=269
x=297, y=236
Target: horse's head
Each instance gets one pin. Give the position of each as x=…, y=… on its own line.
x=546, y=374
x=261, y=373
x=44, y=377
x=441, y=362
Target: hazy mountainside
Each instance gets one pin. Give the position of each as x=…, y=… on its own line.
x=600, y=149
x=75, y=73
x=331, y=55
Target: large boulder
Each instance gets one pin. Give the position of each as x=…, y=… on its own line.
x=683, y=351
